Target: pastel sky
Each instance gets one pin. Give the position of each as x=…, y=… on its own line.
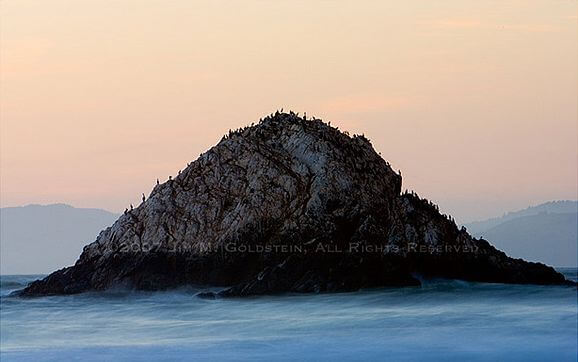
x=475, y=101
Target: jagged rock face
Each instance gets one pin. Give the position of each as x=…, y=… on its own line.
x=286, y=205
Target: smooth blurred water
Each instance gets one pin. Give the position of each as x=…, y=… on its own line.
x=442, y=320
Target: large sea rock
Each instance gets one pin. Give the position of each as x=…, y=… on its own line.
x=286, y=205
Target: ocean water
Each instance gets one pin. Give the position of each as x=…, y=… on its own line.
x=442, y=320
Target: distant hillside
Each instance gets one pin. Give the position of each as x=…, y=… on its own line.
x=558, y=207
x=546, y=233
x=37, y=239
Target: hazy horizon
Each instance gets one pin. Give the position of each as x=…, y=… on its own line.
x=475, y=102
x=498, y=215
x=38, y=239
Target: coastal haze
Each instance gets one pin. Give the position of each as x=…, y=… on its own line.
x=544, y=233
x=474, y=101
x=38, y=239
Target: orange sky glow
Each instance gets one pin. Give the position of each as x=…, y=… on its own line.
x=475, y=101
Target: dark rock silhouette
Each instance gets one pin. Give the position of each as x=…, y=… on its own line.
x=287, y=205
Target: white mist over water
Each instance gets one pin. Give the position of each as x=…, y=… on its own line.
x=443, y=320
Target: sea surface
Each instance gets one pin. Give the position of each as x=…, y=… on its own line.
x=442, y=320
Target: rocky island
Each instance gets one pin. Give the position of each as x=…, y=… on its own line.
x=285, y=205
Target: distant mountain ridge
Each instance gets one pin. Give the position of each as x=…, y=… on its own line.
x=546, y=233
x=558, y=207
x=35, y=239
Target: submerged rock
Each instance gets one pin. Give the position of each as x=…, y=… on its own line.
x=287, y=205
